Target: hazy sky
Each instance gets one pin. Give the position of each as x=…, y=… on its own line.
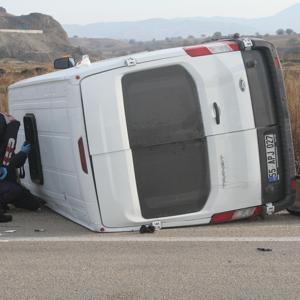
x=90, y=11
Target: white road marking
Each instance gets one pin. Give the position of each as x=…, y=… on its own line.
x=150, y=239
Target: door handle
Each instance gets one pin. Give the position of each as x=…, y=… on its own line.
x=217, y=113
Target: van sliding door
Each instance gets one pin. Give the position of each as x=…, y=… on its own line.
x=167, y=140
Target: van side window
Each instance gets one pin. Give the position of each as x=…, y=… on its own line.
x=161, y=106
x=34, y=157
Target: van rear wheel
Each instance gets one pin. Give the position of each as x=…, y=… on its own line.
x=294, y=213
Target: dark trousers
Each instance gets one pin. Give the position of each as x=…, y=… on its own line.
x=13, y=193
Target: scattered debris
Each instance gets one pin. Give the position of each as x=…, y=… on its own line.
x=39, y=230
x=264, y=249
x=10, y=231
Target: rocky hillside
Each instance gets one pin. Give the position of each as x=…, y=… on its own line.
x=39, y=47
x=159, y=29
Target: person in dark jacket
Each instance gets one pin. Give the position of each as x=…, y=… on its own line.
x=3, y=217
x=11, y=192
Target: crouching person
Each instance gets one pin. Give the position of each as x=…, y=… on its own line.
x=11, y=192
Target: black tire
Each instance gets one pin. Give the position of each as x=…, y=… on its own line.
x=294, y=213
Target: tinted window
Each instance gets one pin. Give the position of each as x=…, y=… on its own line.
x=260, y=88
x=161, y=106
x=166, y=137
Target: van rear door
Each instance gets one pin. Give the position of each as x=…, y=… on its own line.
x=223, y=90
x=166, y=135
x=229, y=125
x=147, y=142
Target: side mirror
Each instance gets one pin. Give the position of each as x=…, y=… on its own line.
x=64, y=63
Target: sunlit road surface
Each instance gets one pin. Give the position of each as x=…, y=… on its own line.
x=66, y=261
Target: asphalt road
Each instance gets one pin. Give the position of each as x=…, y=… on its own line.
x=66, y=261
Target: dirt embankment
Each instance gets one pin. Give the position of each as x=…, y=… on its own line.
x=42, y=47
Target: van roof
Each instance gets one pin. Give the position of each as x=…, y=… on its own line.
x=99, y=67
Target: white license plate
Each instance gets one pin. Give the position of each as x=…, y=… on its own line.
x=272, y=158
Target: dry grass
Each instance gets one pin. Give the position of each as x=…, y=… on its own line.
x=292, y=83
x=13, y=72
x=5, y=81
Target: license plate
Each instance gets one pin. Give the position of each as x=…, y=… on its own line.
x=272, y=158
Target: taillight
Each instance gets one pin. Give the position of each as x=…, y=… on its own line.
x=277, y=62
x=294, y=184
x=212, y=48
x=198, y=51
x=233, y=45
x=82, y=156
x=236, y=215
x=222, y=217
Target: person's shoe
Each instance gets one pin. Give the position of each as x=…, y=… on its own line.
x=42, y=201
x=5, y=208
x=29, y=202
x=5, y=218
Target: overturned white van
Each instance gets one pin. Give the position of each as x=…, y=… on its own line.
x=176, y=137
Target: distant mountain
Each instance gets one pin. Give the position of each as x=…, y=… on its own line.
x=162, y=28
x=42, y=47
